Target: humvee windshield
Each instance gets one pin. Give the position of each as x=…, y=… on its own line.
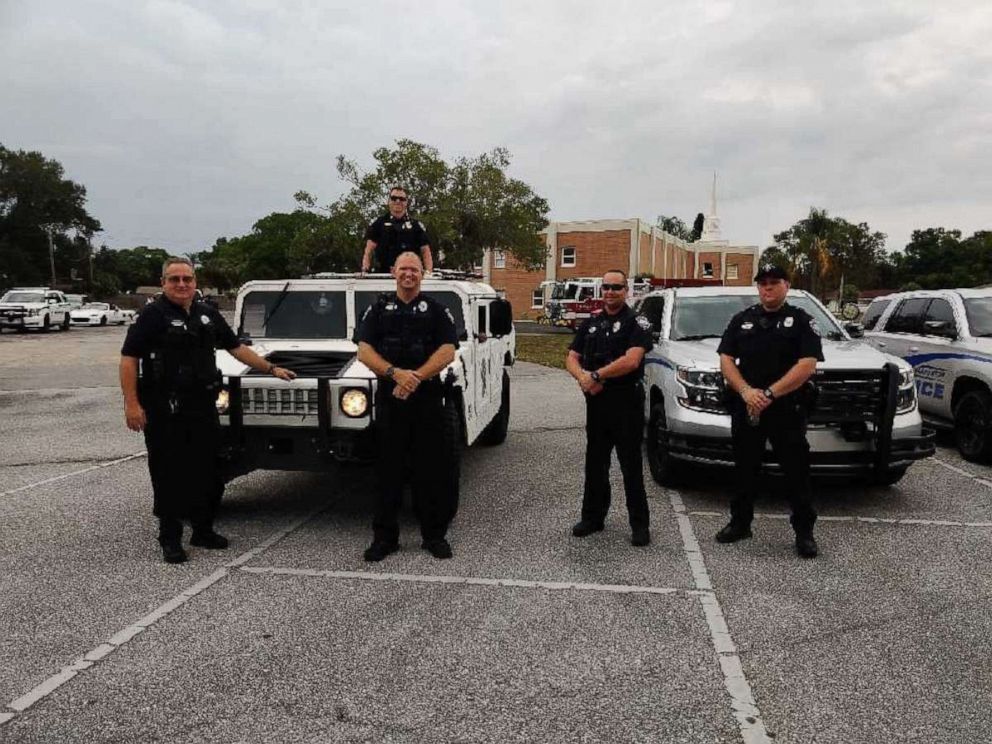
x=303, y=315
x=708, y=316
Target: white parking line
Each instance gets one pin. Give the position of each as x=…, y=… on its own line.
x=127, y=634
x=742, y=703
x=962, y=471
x=470, y=581
x=864, y=520
x=74, y=473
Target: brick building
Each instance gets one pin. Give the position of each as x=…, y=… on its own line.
x=593, y=247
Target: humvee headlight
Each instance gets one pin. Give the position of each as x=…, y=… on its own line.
x=354, y=403
x=223, y=402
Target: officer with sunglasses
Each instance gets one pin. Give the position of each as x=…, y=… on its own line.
x=394, y=233
x=606, y=359
x=170, y=383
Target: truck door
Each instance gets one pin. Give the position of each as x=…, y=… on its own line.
x=903, y=327
x=928, y=355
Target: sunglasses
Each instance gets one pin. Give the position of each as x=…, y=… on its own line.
x=397, y=198
x=614, y=287
x=180, y=279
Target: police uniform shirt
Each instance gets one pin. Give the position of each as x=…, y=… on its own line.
x=605, y=338
x=204, y=322
x=407, y=334
x=395, y=236
x=768, y=344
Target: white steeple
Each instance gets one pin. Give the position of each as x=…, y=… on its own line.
x=711, y=224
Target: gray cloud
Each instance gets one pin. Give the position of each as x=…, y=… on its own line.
x=188, y=121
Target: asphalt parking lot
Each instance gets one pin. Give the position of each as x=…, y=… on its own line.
x=526, y=635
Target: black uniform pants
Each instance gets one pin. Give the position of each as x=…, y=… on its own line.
x=411, y=435
x=182, y=461
x=615, y=418
x=783, y=425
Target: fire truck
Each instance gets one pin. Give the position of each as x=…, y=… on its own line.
x=573, y=300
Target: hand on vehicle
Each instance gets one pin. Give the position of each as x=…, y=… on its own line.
x=283, y=374
x=134, y=415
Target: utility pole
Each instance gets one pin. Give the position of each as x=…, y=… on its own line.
x=89, y=245
x=51, y=253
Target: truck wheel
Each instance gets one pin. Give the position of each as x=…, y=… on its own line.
x=66, y=323
x=495, y=431
x=46, y=324
x=973, y=426
x=664, y=468
x=890, y=478
x=103, y=320
x=452, y=441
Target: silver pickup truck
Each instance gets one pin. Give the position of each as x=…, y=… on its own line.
x=865, y=420
x=327, y=414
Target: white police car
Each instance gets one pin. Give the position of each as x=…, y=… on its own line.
x=947, y=336
x=326, y=414
x=865, y=420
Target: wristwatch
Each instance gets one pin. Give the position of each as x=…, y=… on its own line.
x=768, y=393
x=390, y=371
x=595, y=376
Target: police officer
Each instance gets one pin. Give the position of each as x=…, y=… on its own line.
x=170, y=383
x=606, y=358
x=394, y=233
x=767, y=354
x=407, y=338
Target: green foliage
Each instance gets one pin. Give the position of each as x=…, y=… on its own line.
x=697, y=227
x=819, y=249
x=938, y=258
x=467, y=206
x=35, y=197
x=677, y=228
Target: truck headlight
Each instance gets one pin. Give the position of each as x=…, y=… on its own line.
x=704, y=390
x=223, y=402
x=354, y=403
x=32, y=311
x=906, y=394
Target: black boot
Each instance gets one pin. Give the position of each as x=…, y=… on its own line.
x=379, y=549
x=205, y=537
x=172, y=551
x=806, y=545
x=586, y=527
x=733, y=532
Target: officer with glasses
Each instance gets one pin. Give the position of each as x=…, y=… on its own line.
x=606, y=359
x=394, y=233
x=170, y=383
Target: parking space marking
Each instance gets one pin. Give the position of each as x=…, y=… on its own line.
x=745, y=710
x=127, y=634
x=961, y=471
x=864, y=520
x=74, y=473
x=469, y=581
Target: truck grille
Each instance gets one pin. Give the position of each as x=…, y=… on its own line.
x=283, y=401
x=848, y=396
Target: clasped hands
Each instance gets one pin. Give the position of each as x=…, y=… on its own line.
x=755, y=400
x=588, y=385
x=406, y=381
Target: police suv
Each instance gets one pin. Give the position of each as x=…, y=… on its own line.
x=947, y=336
x=864, y=419
x=34, y=307
x=327, y=413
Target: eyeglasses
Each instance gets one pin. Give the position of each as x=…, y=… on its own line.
x=397, y=198
x=180, y=279
x=614, y=287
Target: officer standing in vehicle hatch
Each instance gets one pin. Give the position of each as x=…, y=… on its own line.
x=606, y=359
x=394, y=233
x=767, y=354
x=170, y=382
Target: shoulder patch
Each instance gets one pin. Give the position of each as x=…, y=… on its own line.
x=644, y=322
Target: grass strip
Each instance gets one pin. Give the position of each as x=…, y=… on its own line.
x=547, y=349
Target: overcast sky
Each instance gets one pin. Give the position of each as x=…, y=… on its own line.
x=188, y=121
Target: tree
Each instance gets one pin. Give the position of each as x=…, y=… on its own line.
x=467, y=206
x=675, y=227
x=697, y=227
x=937, y=258
x=35, y=198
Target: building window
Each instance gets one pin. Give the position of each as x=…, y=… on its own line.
x=499, y=259
x=731, y=271
x=568, y=256
x=537, y=298
x=707, y=269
